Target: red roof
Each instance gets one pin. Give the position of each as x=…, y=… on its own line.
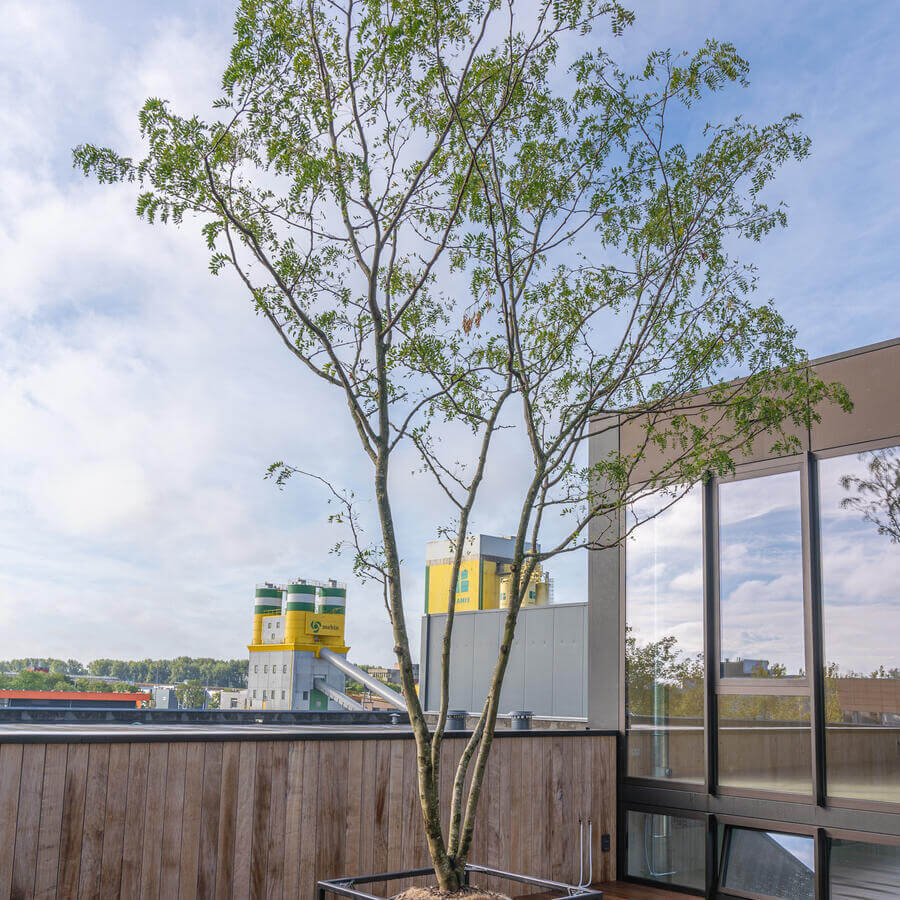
x=75, y=695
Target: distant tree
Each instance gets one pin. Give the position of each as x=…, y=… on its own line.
x=41, y=681
x=191, y=694
x=877, y=494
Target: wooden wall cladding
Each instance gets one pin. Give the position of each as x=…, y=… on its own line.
x=246, y=818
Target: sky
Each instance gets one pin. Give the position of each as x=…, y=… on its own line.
x=141, y=401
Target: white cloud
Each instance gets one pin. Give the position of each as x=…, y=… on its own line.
x=140, y=400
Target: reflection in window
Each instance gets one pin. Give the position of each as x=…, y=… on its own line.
x=769, y=863
x=861, y=602
x=668, y=849
x=860, y=871
x=761, y=577
x=664, y=642
x=765, y=743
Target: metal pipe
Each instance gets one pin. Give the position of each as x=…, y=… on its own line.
x=357, y=674
x=320, y=684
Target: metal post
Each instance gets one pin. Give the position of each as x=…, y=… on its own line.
x=814, y=631
x=711, y=630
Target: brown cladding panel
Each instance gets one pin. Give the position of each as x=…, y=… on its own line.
x=267, y=818
x=873, y=379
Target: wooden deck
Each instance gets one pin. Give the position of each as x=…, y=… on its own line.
x=623, y=890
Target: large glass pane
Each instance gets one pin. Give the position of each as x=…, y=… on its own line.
x=761, y=577
x=664, y=641
x=668, y=849
x=864, y=871
x=765, y=743
x=859, y=495
x=769, y=863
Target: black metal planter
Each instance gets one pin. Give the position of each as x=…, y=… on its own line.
x=346, y=887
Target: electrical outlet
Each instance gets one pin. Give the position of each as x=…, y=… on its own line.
x=605, y=843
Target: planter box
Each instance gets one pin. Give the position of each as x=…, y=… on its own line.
x=347, y=887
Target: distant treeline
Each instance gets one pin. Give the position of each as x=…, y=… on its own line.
x=213, y=672
x=54, y=681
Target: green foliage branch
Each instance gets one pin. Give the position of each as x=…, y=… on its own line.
x=448, y=224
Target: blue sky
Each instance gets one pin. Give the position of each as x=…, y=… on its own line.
x=141, y=401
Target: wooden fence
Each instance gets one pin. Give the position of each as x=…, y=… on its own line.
x=267, y=818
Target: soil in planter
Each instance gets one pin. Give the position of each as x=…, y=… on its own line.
x=435, y=893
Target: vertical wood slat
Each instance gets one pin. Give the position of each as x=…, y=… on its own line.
x=28, y=820
x=292, y=820
x=209, y=818
x=382, y=777
x=10, y=780
x=135, y=808
x=367, y=807
x=244, y=819
x=395, y=853
x=275, y=868
x=228, y=805
x=353, y=827
x=49, y=834
x=73, y=819
x=154, y=819
x=262, y=797
x=190, y=823
x=114, y=821
x=268, y=818
x=94, y=818
x=170, y=852
x=309, y=818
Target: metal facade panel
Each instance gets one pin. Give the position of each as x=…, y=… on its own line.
x=568, y=661
x=462, y=651
x=547, y=670
x=512, y=694
x=872, y=377
x=486, y=642
x=539, y=673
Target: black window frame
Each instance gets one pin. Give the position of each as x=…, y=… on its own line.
x=815, y=814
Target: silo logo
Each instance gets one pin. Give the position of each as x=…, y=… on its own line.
x=324, y=624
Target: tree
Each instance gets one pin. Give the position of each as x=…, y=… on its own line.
x=458, y=231
x=877, y=495
x=191, y=695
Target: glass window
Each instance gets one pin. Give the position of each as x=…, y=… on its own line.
x=761, y=577
x=664, y=640
x=860, y=871
x=765, y=743
x=769, y=864
x=859, y=494
x=668, y=849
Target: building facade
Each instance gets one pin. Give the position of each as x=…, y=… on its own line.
x=744, y=643
x=291, y=624
x=483, y=581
